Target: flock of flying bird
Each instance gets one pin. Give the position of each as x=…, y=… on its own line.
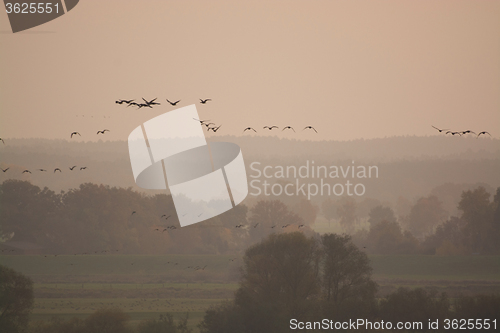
x=45, y=170
x=460, y=133
x=206, y=123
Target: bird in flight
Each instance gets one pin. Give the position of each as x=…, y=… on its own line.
x=454, y=133
x=103, y=131
x=2, y=140
x=215, y=129
x=42, y=170
x=204, y=101
x=26, y=171
x=484, y=132
x=288, y=127
x=270, y=128
x=83, y=168
x=5, y=170
x=202, y=122
x=142, y=105
x=121, y=101
x=249, y=128
x=310, y=127
x=440, y=130
x=173, y=103
x=151, y=102
x=57, y=169
x=133, y=212
x=467, y=132
x=71, y=168
x=75, y=133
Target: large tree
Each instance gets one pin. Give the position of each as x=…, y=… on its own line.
x=480, y=232
x=426, y=215
x=346, y=278
x=289, y=276
x=16, y=300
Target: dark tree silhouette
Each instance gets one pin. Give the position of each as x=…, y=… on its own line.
x=16, y=300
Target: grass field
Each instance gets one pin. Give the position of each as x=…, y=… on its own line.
x=147, y=286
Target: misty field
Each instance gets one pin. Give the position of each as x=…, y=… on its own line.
x=146, y=286
x=161, y=269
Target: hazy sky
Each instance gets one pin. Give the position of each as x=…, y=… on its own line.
x=352, y=69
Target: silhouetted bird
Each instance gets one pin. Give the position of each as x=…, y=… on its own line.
x=454, y=133
x=26, y=171
x=2, y=140
x=310, y=127
x=173, y=103
x=249, y=128
x=121, y=101
x=133, y=212
x=202, y=122
x=468, y=131
x=103, y=131
x=75, y=133
x=5, y=170
x=71, y=168
x=151, y=102
x=57, y=169
x=42, y=170
x=203, y=101
x=83, y=168
x=440, y=130
x=214, y=129
x=270, y=128
x=484, y=132
x=288, y=127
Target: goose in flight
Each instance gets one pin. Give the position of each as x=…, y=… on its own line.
x=103, y=131
x=173, y=103
x=151, y=102
x=484, y=132
x=249, y=129
x=270, y=128
x=288, y=127
x=204, y=101
x=310, y=127
x=121, y=101
x=440, y=130
x=75, y=133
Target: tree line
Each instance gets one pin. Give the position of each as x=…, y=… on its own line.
x=97, y=219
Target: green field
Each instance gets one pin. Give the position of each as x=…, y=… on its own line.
x=146, y=286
